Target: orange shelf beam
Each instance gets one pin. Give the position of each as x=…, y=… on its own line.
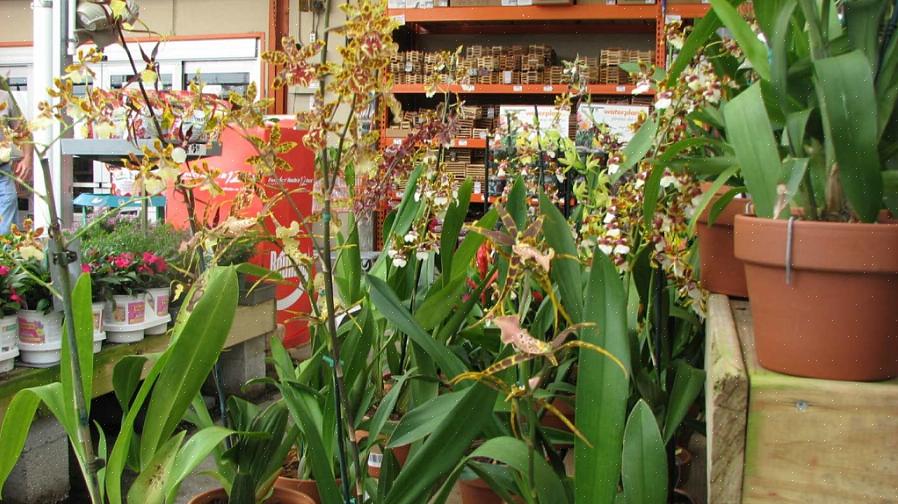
x=688, y=10
x=531, y=89
x=596, y=12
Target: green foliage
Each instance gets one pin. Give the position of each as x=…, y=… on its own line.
x=830, y=85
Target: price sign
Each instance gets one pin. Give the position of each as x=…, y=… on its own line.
x=621, y=89
x=462, y=143
x=196, y=149
x=468, y=88
x=548, y=89
x=517, y=89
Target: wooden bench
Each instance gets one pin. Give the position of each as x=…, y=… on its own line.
x=792, y=439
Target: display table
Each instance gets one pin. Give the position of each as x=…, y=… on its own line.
x=250, y=322
x=778, y=438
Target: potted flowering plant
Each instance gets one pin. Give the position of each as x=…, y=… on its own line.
x=131, y=273
x=39, y=327
x=814, y=139
x=153, y=275
x=11, y=278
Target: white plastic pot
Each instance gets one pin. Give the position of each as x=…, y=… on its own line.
x=157, y=301
x=126, y=310
x=157, y=309
x=98, y=341
x=40, y=337
x=99, y=327
x=125, y=318
x=9, y=342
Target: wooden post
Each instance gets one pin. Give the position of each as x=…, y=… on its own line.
x=726, y=403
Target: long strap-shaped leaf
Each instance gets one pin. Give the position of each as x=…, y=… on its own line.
x=644, y=470
x=192, y=355
x=566, y=270
x=606, y=390
x=393, y=310
x=848, y=101
x=444, y=448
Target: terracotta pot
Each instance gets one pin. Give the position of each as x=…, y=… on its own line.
x=476, y=491
x=305, y=487
x=720, y=271
x=564, y=406
x=838, y=319
x=279, y=496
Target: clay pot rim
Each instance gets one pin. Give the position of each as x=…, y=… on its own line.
x=296, y=496
x=818, y=245
x=726, y=217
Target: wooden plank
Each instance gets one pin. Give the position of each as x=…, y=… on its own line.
x=249, y=322
x=726, y=403
x=819, y=441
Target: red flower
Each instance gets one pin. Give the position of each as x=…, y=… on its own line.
x=4, y=270
x=157, y=262
x=146, y=270
x=123, y=260
x=85, y=267
x=14, y=296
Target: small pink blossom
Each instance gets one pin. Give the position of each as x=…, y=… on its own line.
x=123, y=260
x=4, y=270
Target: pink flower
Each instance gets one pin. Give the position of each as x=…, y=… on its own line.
x=85, y=267
x=144, y=269
x=4, y=270
x=14, y=296
x=157, y=262
x=123, y=260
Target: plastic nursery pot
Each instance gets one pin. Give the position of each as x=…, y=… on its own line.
x=40, y=337
x=304, y=486
x=279, y=496
x=836, y=316
x=476, y=491
x=99, y=328
x=721, y=271
x=125, y=318
x=375, y=458
x=157, y=301
x=9, y=346
x=157, y=310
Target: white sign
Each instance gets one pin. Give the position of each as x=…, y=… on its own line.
x=550, y=118
x=619, y=118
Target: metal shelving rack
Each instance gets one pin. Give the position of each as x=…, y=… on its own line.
x=603, y=18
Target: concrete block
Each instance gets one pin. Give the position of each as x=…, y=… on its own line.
x=42, y=473
x=242, y=363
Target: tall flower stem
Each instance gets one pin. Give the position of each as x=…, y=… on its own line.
x=340, y=399
x=61, y=259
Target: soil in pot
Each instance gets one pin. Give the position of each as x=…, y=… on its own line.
x=721, y=271
x=279, y=496
x=837, y=316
